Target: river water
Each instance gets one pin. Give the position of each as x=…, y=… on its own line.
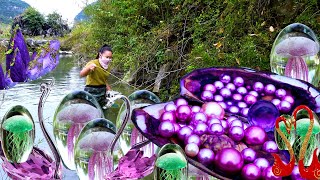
x=67, y=79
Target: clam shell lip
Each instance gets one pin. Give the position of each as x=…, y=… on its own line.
x=297, y=46
x=303, y=92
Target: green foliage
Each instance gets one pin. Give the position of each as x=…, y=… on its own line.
x=146, y=34
x=33, y=21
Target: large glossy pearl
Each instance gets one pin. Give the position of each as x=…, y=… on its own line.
x=242, y=105
x=236, y=133
x=288, y=99
x=242, y=90
x=213, y=110
x=180, y=102
x=280, y=93
x=170, y=107
x=262, y=163
x=183, y=113
x=184, y=132
x=250, y=99
x=195, y=109
x=166, y=129
x=207, y=96
x=225, y=92
x=199, y=117
x=255, y=135
x=245, y=112
x=191, y=150
x=254, y=93
x=258, y=86
x=238, y=81
x=218, y=98
x=285, y=106
x=270, y=147
x=237, y=97
x=236, y=122
x=276, y=102
x=231, y=86
x=210, y=87
x=225, y=78
x=216, y=129
x=270, y=89
x=206, y=156
x=249, y=155
x=168, y=116
x=218, y=84
x=229, y=160
x=200, y=129
x=251, y=172
x=193, y=139
x=234, y=109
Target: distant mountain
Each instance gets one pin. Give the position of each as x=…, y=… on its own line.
x=80, y=17
x=11, y=8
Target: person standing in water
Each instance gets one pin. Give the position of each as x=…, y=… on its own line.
x=97, y=74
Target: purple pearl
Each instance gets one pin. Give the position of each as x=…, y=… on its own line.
x=237, y=97
x=250, y=99
x=170, y=107
x=288, y=99
x=295, y=175
x=224, y=125
x=242, y=90
x=225, y=78
x=267, y=174
x=234, y=109
x=180, y=102
x=183, y=113
x=280, y=93
x=168, y=116
x=244, y=112
x=258, y=86
x=231, y=118
x=254, y=93
x=276, y=102
x=231, y=86
x=206, y=156
x=199, y=117
x=242, y=105
x=191, y=150
x=236, y=133
x=193, y=139
x=210, y=87
x=270, y=89
x=236, y=122
x=166, y=129
x=251, y=172
x=218, y=98
x=225, y=92
x=207, y=96
x=216, y=129
x=195, y=109
x=201, y=128
x=184, y=132
x=262, y=163
x=249, y=155
x=229, y=103
x=238, y=81
x=285, y=106
x=270, y=147
x=213, y=121
x=223, y=105
x=218, y=84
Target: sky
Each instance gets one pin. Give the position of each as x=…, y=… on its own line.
x=67, y=8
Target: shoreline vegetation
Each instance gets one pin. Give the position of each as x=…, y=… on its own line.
x=155, y=43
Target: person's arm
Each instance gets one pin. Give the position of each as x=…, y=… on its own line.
x=108, y=87
x=86, y=70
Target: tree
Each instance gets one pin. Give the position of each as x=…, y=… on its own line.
x=32, y=22
x=55, y=25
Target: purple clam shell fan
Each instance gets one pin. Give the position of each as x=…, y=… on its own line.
x=146, y=120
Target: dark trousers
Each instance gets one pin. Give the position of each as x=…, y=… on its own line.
x=99, y=92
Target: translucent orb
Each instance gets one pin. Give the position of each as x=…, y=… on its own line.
x=295, y=54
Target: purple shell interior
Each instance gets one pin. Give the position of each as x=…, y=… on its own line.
x=303, y=92
x=146, y=120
